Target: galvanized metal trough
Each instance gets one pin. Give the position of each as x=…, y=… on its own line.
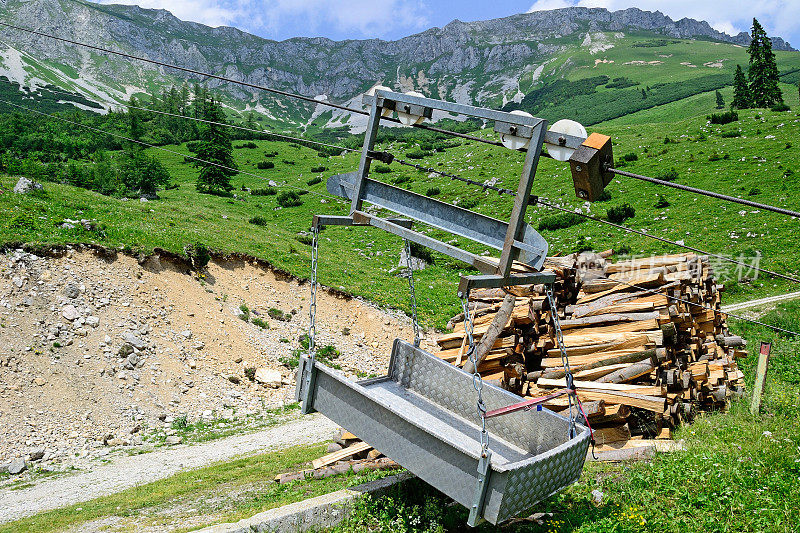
x=422, y=415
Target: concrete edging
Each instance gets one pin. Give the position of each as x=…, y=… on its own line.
x=323, y=511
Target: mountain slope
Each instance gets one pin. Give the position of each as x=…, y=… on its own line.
x=488, y=63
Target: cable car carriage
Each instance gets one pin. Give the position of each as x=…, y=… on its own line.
x=436, y=420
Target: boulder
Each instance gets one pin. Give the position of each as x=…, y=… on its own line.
x=36, y=454
x=25, y=185
x=172, y=440
x=133, y=340
x=269, y=378
x=70, y=313
x=17, y=466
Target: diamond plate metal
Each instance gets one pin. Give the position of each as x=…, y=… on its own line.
x=422, y=416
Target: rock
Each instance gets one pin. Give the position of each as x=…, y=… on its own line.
x=133, y=340
x=270, y=378
x=125, y=350
x=132, y=361
x=92, y=321
x=597, y=496
x=333, y=447
x=114, y=442
x=173, y=440
x=17, y=466
x=17, y=281
x=191, y=363
x=25, y=185
x=71, y=291
x=36, y=454
x=186, y=333
x=70, y=313
x=416, y=262
x=39, y=381
x=234, y=379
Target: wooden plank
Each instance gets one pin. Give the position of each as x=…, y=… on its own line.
x=622, y=327
x=612, y=434
x=331, y=458
x=647, y=390
x=761, y=376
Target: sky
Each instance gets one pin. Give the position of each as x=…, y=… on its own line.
x=392, y=19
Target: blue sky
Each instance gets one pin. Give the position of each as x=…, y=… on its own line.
x=392, y=19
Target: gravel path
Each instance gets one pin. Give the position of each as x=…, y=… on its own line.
x=125, y=472
x=763, y=301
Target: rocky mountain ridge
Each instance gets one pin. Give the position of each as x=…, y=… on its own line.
x=481, y=62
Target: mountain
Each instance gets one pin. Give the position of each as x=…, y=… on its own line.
x=492, y=63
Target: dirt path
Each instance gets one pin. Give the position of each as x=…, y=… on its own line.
x=125, y=472
x=760, y=302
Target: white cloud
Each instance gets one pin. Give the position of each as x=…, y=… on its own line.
x=363, y=18
x=779, y=17
x=547, y=5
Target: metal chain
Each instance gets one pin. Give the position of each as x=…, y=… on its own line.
x=477, y=380
x=417, y=335
x=564, y=359
x=312, y=328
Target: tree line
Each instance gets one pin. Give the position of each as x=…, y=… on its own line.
x=759, y=87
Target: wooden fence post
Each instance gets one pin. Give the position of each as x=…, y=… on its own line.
x=761, y=377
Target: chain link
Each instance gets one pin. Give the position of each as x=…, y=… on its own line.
x=312, y=327
x=564, y=359
x=477, y=380
x=417, y=335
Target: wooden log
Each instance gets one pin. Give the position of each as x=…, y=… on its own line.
x=499, y=323
x=605, y=435
x=613, y=414
x=656, y=355
x=647, y=390
x=608, y=318
x=629, y=373
x=350, y=451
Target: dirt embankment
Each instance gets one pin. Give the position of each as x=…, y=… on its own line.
x=96, y=349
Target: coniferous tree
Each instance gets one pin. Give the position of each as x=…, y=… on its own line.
x=763, y=72
x=720, y=100
x=216, y=150
x=741, y=91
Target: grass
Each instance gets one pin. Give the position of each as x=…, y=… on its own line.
x=195, y=495
x=739, y=472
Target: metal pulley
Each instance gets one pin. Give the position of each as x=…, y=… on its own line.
x=560, y=151
x=385, y=112
x=410, y=114
x=516, y=137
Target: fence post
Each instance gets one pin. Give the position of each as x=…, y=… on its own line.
x=761, y=377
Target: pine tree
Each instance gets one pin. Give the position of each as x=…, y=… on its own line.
x=763, y=72
x=135, y=127
x=741, y=91
x=216, y=151
x=720, y=100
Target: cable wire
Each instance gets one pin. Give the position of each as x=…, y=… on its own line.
x=712, y=194
x=123, y=137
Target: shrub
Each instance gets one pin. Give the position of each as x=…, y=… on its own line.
x=249, y=145
x=433, y=191
x=714, y=156
x=304, y=239
x=417, y=154
x=319, y=169
x=288, y=162
x=258, y=220
x=269, y=191
x=198, y=255
x=277, y=314
x=604, y=196
x=260, y=322
x=244, y=312
x=662, y=202
x=289, y=199
x=754, y=191
x=669, y=175
x=560, y=221
x=780, y=107
x=621, y=213
x=250, y=373
x=382, y=169
x=264, y=165
x=469, y=202
x=730, y=134
x=724, y=118
x=180, y=422
x=270, y=154
x=401, y=179
x=630, y=157
x=314, y=181
x=623, y=250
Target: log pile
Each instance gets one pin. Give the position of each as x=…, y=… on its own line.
x=644, y=358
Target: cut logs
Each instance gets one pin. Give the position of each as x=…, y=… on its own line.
x=647, y=344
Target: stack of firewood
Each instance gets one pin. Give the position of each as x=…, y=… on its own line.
x=647, y=345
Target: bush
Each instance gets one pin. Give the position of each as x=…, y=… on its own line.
x=244, y=313
x=198, y=255
x=630, y=157
x=314, y=181
x=258, y=221
x=662, y=202
x=319, y=169
x=469, y=202
x=288, y=162
x=621, y=213
x=433, y=191
x=249, y=145
x=289, y=199
x=277, y=314
x=669, y=175
x=304, y=239
x=419, y=251
x=714, y=156
x=270, y=154
x=604, y=196
x=724, y=118
x=401, y=179
x=250, y=373
x=780, y=107
x=560, y=221
x=263, y=324
x=382, y=169
x=754, y=191
x=269, y=191
x=417, y=154
x=730, y=134
x=264, y=165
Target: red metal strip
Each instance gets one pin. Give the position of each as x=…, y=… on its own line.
x=527, y=404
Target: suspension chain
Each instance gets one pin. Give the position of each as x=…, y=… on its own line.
x=564, y=359
x=477, y=380
x=312, y=328
x=417, y=335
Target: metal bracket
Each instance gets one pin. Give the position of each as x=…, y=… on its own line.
x=304, y=389
x=493, y=281
x=484, y=471
x=333, y=220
